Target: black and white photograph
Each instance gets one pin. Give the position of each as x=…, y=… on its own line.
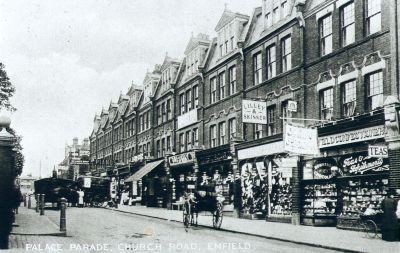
x=200, y=126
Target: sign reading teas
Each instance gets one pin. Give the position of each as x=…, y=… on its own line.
x=181, y=159
x=254, y=112
x=365, y=134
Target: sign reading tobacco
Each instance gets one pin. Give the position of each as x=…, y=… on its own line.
x=181, y=159
x=254, y=112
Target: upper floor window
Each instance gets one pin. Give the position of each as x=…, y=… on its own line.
x=326, y=97
x=226, y=39
x=349, y=98
x=163, y=147
x=347, y=24
x=271, y=62
x=373, y=15
x=159, y=114
x=325, y=34
x=168, y=143
x=221, y=133
x=259, y=131
x=232, y=127
x=158, y=149
x=164, y=112
x=284, y=109
x=213, y=136
x=182, y=102
x=195, y=137
x=169, y=110
x=375, y=90
x=196, y=96
x=268, y=19
x=182, y=142
x=284, y=8
x=221, y=78
x=213, y=90
x=286, y=54
x=275, y=11
x=257, y=68
x=188, y=140
x=189, y=100
x=232, y=80
x=271, y=113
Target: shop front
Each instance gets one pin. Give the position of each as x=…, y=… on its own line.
x=215, y=171
x=182, y=169
x=350, y=176
x=266, y=173
x=149, y=184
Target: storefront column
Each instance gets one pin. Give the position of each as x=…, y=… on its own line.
x=296, y=194
x=392, y=108
x=168, y=183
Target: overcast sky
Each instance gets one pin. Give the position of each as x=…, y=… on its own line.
x=68, y=59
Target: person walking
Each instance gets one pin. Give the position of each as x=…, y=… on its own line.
x=390, y=226
x=81, y=194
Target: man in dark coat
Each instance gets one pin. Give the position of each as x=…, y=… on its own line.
x=390, y=226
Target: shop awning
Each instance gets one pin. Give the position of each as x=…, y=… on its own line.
x=143, y=171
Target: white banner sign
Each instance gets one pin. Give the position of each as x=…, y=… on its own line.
x=87, y=182
x=301, y=140
x=254, y=112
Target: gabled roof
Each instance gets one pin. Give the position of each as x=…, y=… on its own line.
x=168, y=61
x=133, y=88
x=201, y=38
x=227, y=17
x=123, y=102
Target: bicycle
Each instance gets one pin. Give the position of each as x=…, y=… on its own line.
x=370, y=224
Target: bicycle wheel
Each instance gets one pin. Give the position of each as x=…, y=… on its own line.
x=217, y=216
x=370, y=228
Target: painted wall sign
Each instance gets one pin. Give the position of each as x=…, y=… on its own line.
x=187, y=119
x=181, y=159
x=261, y=150
x=254, y=112
x=300, y=140
x=359, y=164
x=352, y=136
x=322, y=168
x=216, y=157
x=378, y=151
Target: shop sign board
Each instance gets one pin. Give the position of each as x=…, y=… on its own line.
x=254, y=112
x=359, y=135
x=261, y=150
x=292, y=106
x=138, y=158
x=79, y=162
x=378, y=151
x=187, y=119
x=87, y=182
x=180, y=159
x=323, y=169
x=360, y=164
x=300, y=140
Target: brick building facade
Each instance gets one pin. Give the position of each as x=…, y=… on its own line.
x=336, y=62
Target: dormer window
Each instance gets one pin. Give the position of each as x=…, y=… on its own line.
x=275, y=11
x=192, y=62
x=226, y=39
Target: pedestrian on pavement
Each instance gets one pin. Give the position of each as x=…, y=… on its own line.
x=390, y=226
x=81, y=194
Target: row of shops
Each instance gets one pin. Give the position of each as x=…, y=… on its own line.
x=260, y=180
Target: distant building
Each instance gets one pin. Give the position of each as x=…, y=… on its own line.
x=26, y=183
x=76, y=161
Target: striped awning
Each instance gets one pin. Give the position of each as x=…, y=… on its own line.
x=144, y=171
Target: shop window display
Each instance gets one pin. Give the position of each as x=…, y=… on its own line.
x=222, y=182
x=254, y=189
x=359, y=194
x=281, y=192
x=320, y=199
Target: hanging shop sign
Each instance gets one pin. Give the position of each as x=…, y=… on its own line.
x=325, y=169
x=300, y=140
x=378, y=151
x=87, y=182
x=364, y=134
x=360, y=164
x=292, y=106
x=254, y=112
x=180, y=159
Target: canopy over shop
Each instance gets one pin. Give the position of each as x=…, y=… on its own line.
x=147, y=184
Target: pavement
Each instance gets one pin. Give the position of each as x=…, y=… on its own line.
x=324, y=237
x=29, y=222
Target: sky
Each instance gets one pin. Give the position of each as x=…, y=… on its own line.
x=68, y=59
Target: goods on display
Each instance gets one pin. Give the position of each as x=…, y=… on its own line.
x=281, y=194
x=358, y=194
x=254, y=189
x=320, y=199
